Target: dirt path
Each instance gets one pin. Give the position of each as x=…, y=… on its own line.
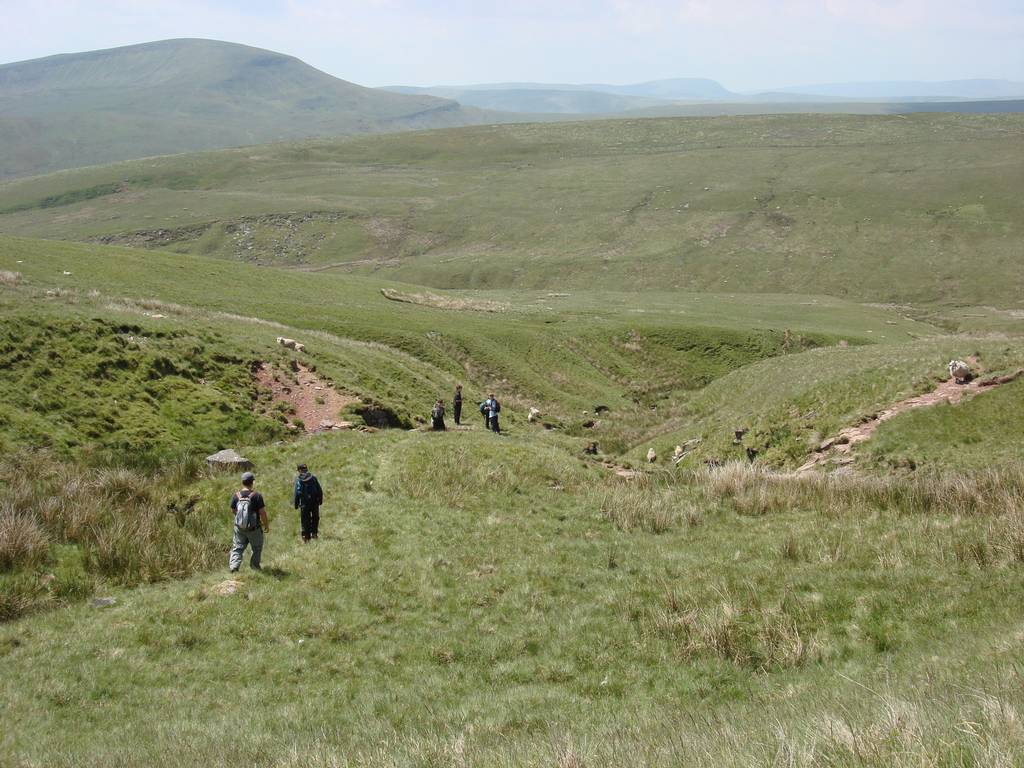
x=315, y=402
x=838, y=450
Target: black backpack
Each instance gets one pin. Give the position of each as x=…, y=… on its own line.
x=308, y=496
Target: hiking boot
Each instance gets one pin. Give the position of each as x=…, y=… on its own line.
x=233, y=570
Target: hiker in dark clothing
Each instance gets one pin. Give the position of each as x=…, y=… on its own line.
x=250, y=524
x=437, y=416
x=308, y=498
x=457, y=405
x=495, y=409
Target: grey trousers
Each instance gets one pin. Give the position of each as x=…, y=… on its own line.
x=240, y=541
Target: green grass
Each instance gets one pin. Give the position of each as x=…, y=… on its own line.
x=139, y=392
x=565, y=358
x=975, y=434
x=460, y=608
x=485, y=600
x=919, y=209
x=790, y=404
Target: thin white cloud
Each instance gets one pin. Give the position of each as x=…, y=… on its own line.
x=747, y=44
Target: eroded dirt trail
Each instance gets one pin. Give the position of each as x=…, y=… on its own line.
x=838, y=450
x=315, y=402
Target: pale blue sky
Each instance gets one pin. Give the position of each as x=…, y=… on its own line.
x=745, y=44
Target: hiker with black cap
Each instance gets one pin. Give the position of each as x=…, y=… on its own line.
x=250, y=523
x=308, y=498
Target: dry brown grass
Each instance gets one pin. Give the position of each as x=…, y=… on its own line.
x=117, y=519
x=444, y=302
x=643, y=505
x=739, y=629
x=23, y=542
x=9, y=278
x=754, y=491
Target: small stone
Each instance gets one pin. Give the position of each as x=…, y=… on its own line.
x=102, y=602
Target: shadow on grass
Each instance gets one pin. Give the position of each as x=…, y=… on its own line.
x=276, y=573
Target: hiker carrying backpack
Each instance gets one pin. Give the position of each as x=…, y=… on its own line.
x=309, y=496
x=495, y=410
x=250, y=518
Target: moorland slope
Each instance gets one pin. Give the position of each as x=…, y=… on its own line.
x=917, y=209
x=185, y=95
x=514, y=600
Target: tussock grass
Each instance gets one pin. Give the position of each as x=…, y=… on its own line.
x=741, y=629
x=23, y=542
x=123, y=526
x=752, y=490
x=645, y=506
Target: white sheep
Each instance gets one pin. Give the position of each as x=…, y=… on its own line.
x=960, y=371
x=651, y=456
x=291, y=344
x=534, y=415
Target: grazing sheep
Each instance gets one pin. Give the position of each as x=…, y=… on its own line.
x=651, y=456
x=960, y=371
x=291, y=344
x=534, y=415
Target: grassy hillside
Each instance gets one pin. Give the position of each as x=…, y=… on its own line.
x=513, y=601
x=185, y=95
x=564, y=355
x=789, y=405
x=136, y=390
x=918, y=209
x=477, y=604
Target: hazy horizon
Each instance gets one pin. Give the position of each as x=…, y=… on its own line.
x=744, y=45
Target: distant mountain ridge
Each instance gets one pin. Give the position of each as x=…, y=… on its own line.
x=185, y=95
x=597, y=98
x=975, y=90
x=564, y=98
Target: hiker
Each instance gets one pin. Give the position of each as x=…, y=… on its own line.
x=308, y=498
x=250, y=524
x=437, y=416
x=495, y=409
x=457, y=405
x=485, y=409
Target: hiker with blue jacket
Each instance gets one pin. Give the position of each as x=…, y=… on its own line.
x=308, y=498
x=485, y=409
x=250, y=524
